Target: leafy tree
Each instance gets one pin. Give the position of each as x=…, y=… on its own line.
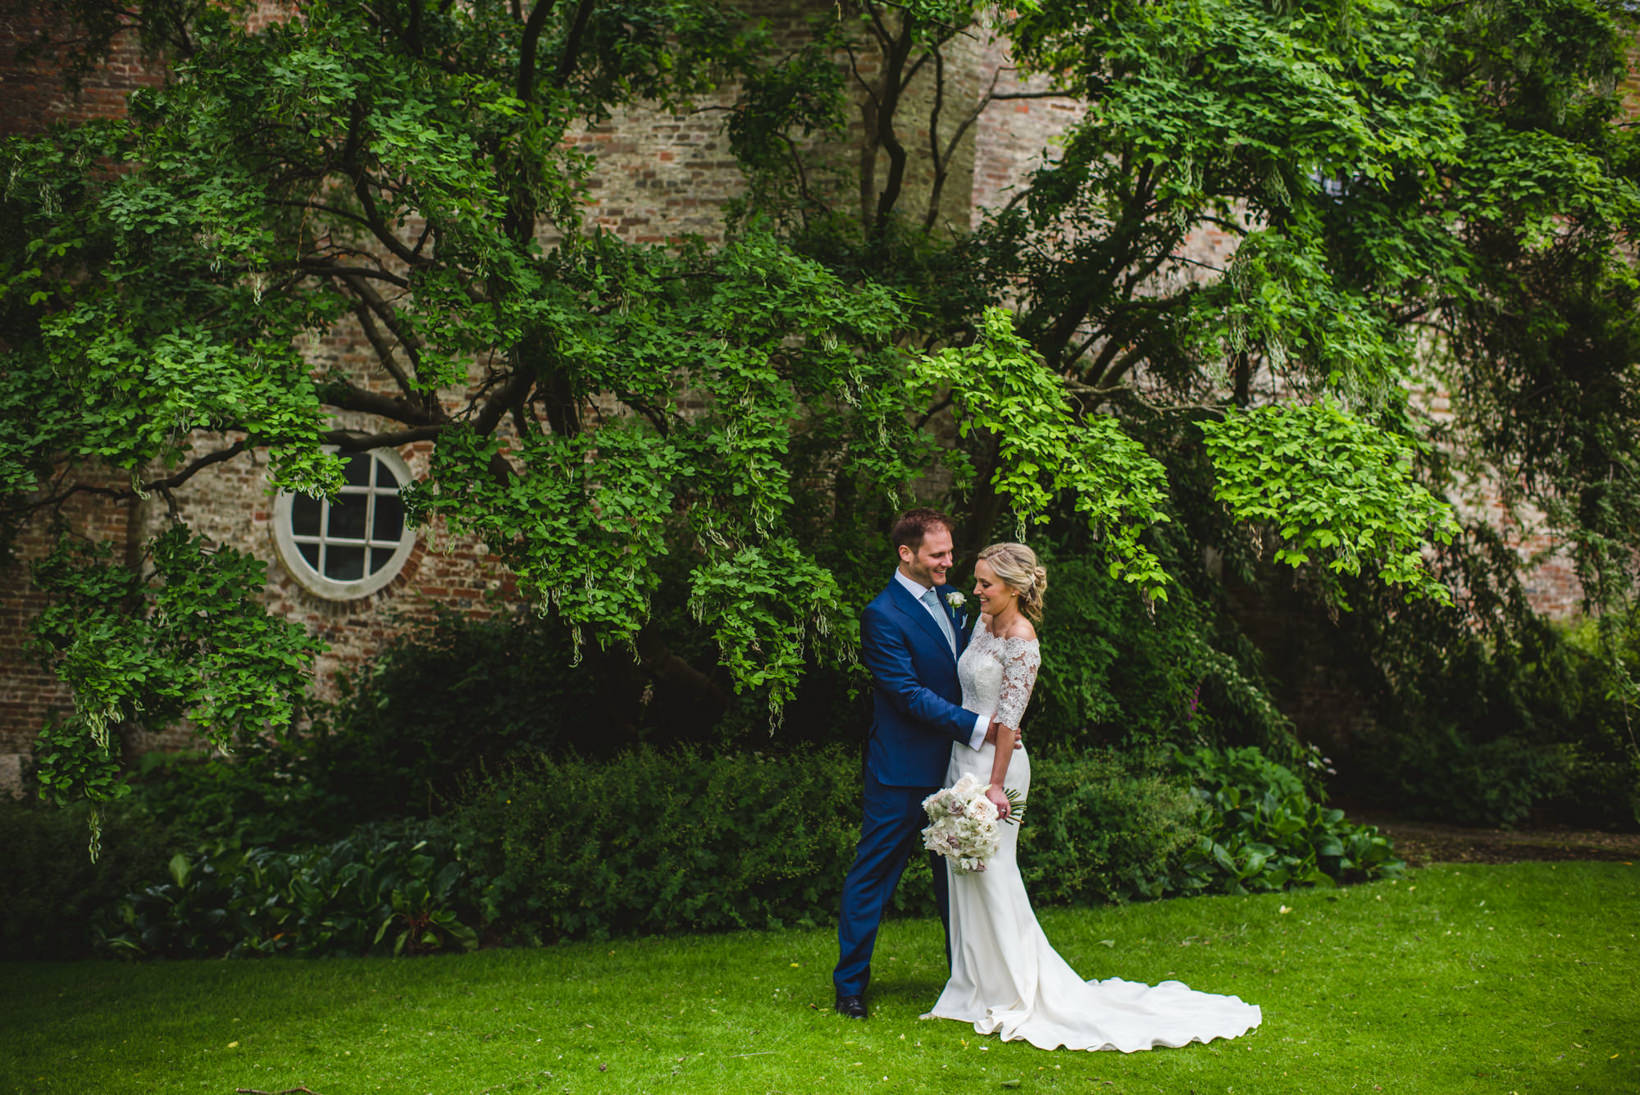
x=405, y=170
x=1420, y=195
x=1409, y=186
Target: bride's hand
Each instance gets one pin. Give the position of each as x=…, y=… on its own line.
x=999, y=799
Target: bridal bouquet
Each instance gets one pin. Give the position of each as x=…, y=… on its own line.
x=962, y=824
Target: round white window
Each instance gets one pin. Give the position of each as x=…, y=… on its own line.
x=353, y=545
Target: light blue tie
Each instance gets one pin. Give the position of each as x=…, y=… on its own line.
x=932, y=600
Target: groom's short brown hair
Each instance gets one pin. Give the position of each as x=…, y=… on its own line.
x=914, y=524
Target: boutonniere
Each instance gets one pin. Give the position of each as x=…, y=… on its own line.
x=956, y=601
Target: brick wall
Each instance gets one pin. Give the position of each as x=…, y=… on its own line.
x=32, y=694
x=234, y=505
x=1013, y=137
x=32, y=91
x=661, y=176
x=33, y=97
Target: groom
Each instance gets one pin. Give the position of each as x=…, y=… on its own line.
x=910, y=638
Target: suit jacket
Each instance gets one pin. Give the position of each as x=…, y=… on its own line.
x=916, y=699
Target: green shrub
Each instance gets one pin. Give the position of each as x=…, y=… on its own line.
x=263, y=795
x=1446, y=773
x=387, y=889
x=451, y=697
x=1097, y=831
x=653, y=842
x=664, y=842
x=53, y=891
x=1101, y=828
x=1263, y=832
x=1486, y=713
x=549, y=848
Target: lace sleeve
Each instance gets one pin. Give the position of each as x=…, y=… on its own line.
x=1021, y=658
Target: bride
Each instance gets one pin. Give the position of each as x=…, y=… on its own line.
x=1005, y=978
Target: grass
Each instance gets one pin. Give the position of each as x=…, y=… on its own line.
x=1517, y=978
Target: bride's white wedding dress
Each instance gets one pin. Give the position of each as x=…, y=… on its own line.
x=1005, y=978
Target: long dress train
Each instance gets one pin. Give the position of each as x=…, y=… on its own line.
x=1005, y=977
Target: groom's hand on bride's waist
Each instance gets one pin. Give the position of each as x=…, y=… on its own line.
x=991, y=735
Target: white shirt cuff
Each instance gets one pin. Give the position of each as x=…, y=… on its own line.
x=981, y=725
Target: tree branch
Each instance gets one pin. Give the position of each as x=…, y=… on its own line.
x=119, y=494
x=345, y=397
x=187, y=473
x=525, y=87
x=939, y=405
x=572, y=44
x=854, y=70
x=384, y=351
x=355, y=169
x=363, y=440
x=938, y=183
x=515, y=389
x=330, y=270
x=390, y=319
x=893, y=64
x=378, y=227
x=1050, y=94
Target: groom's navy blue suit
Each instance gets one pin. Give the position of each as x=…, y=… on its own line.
x=916, y=715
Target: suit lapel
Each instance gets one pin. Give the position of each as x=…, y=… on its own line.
x=918, y=612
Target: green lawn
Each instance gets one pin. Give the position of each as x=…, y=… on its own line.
x=1519, y=978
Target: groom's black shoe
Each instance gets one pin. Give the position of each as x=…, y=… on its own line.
x=851, y=1006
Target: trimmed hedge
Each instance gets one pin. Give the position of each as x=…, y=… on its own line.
x=653, y=843
x=662, y=842
x=648, y=842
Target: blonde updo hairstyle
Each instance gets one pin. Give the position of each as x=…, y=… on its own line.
x=1016, y=566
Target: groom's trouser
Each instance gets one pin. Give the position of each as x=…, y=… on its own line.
x=890, y=832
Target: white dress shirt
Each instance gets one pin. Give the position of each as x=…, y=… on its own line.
x=917, y=589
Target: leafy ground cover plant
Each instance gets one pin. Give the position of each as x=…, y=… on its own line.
x=382, y=890
x=1263, y=831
